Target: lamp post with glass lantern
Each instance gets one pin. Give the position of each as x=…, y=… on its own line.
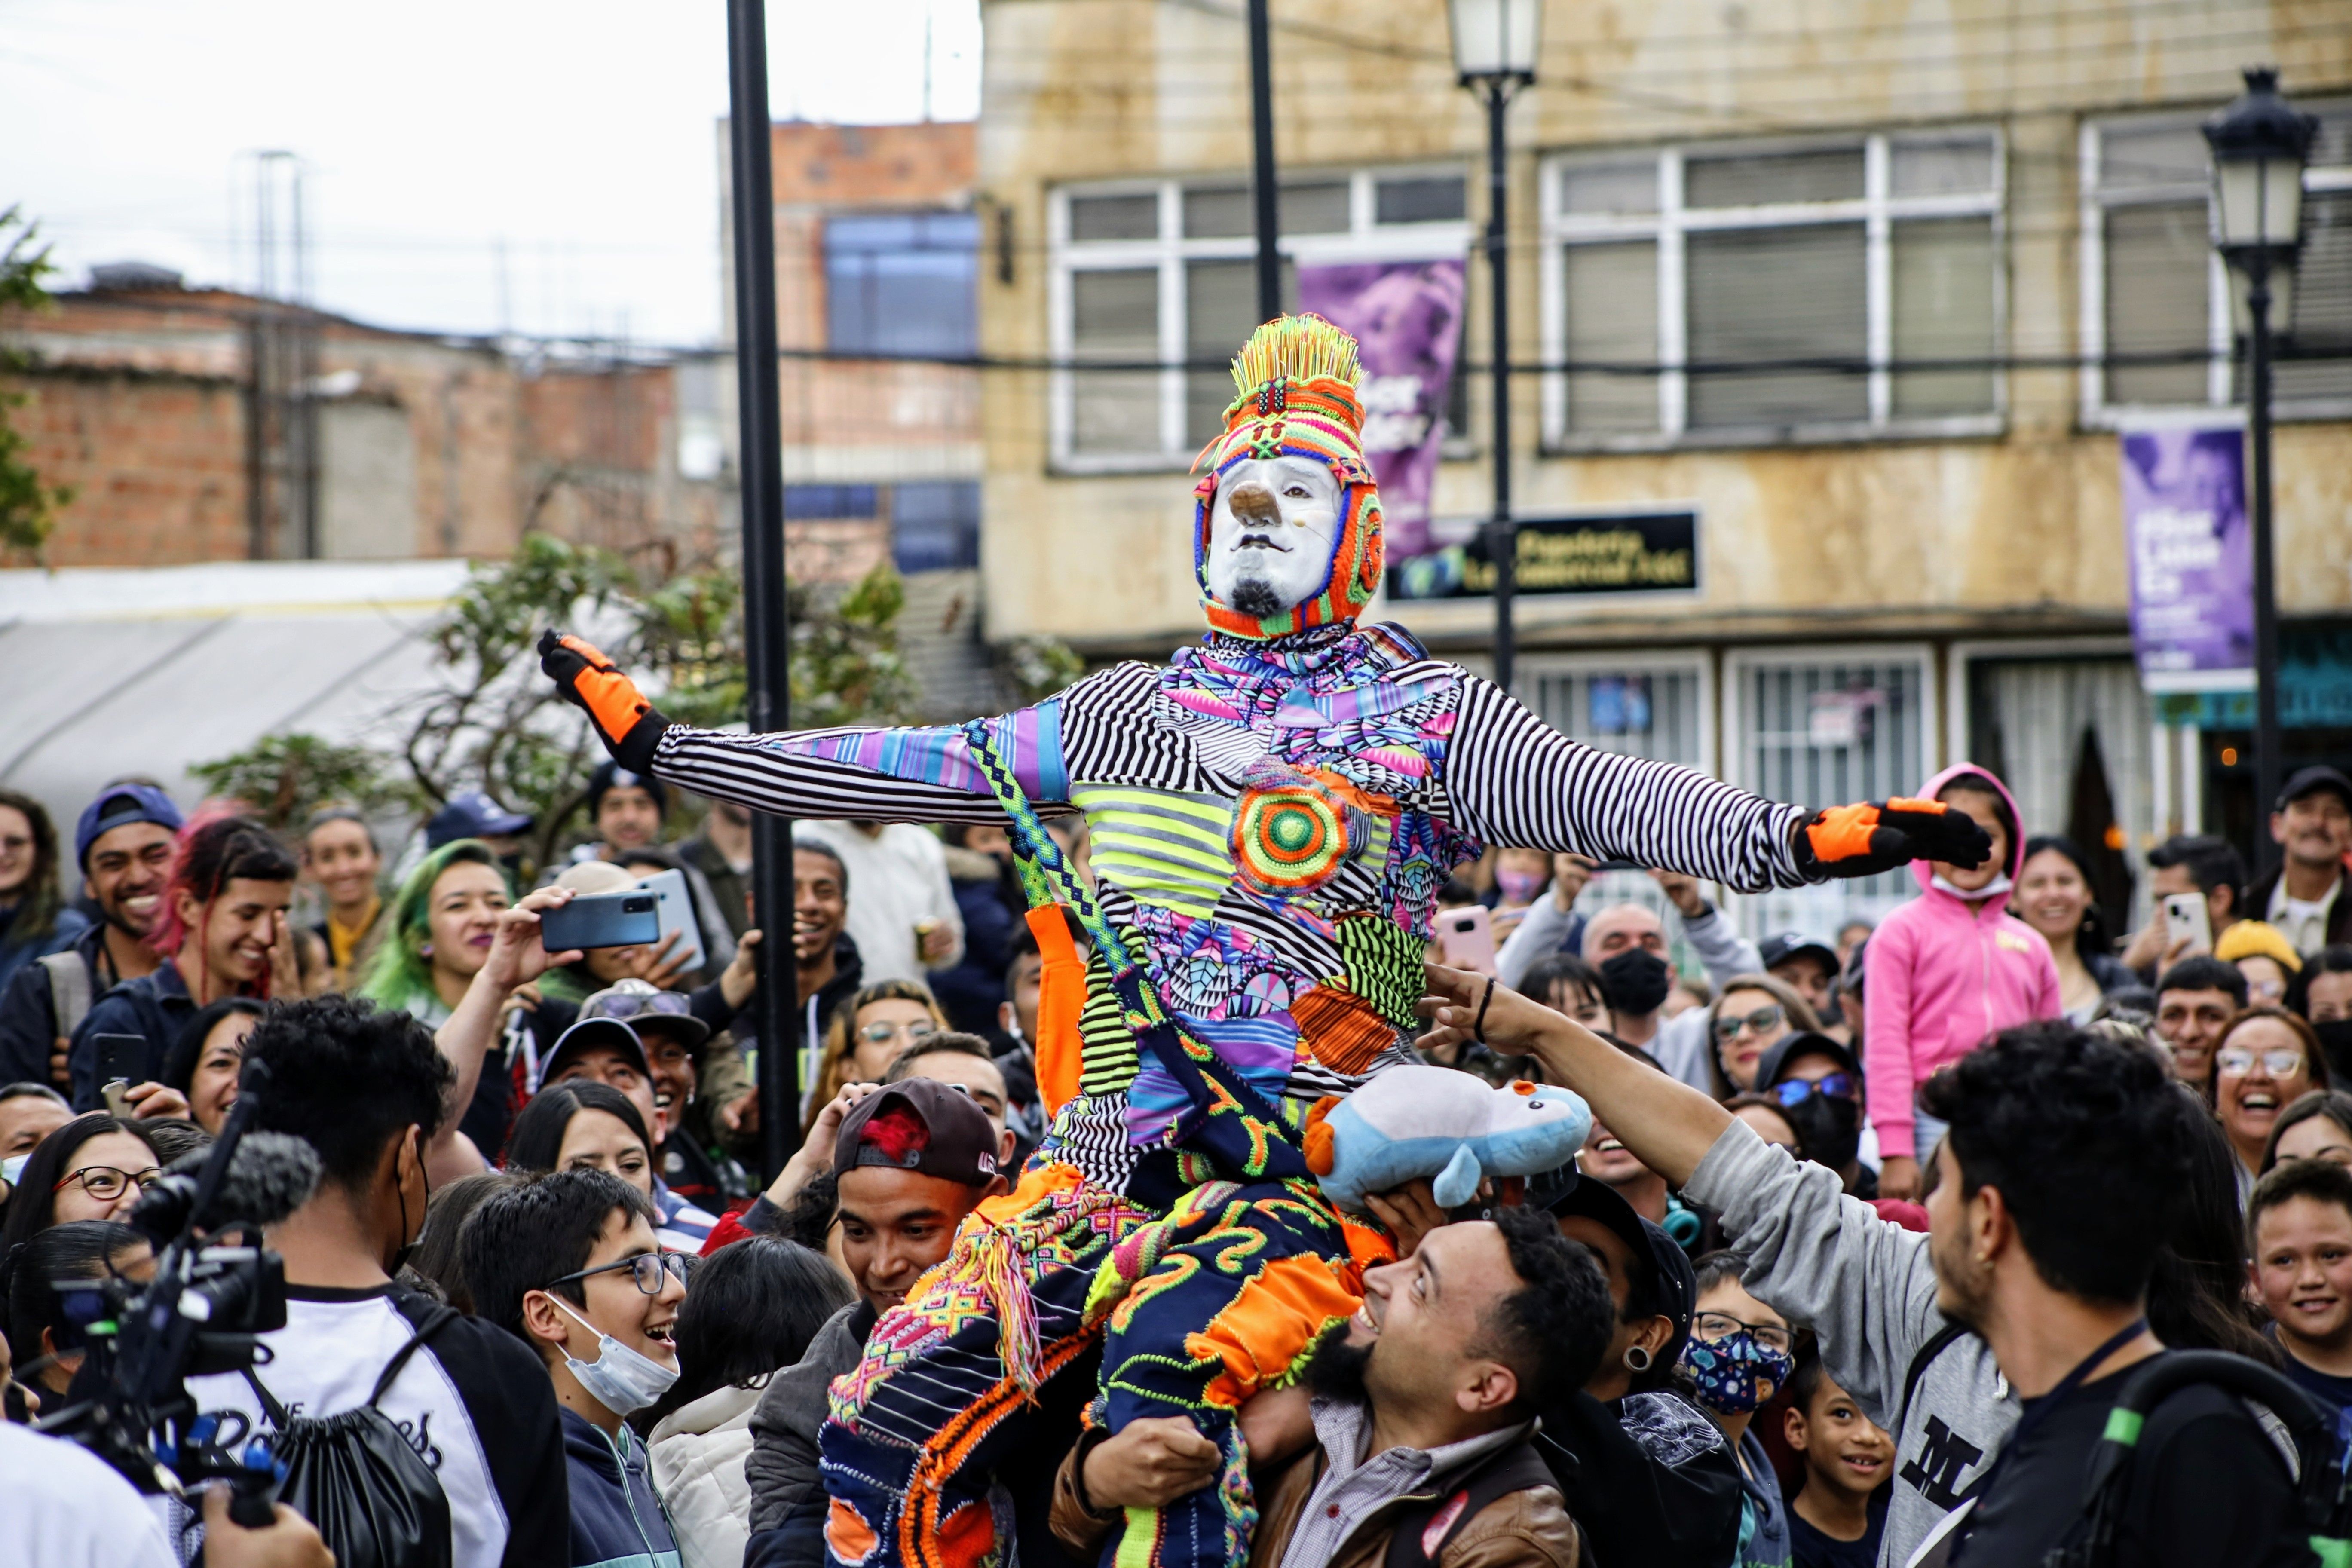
x=2258, y=146
x=1495, y=44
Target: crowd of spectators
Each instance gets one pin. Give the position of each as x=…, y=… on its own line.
x=1869, y=1222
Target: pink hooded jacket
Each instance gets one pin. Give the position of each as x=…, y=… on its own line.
x=1941, y=974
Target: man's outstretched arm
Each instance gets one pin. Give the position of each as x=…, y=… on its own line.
x=904, y=775
x=1510, y=778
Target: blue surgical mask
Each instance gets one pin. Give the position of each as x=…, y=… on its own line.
x=12, y=1168
x=622, y=1380
x=1732, y=1373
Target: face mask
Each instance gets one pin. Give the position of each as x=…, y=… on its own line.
x=622, y=1380
x=1996, y=888
x=1520, y=887
x=1729, y=1372
x=1828, y=1128
x=13, y=1168
x=1636, y=982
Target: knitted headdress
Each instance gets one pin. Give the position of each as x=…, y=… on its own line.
x=1297, y=378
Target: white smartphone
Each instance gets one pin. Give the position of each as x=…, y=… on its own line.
x=1467, y=938
x=678, y=915
x=2185, y=916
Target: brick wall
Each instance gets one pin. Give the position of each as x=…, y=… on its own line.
x=157, y=463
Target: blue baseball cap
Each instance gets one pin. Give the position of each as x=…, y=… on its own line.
x=471, y=814
x=117, y=806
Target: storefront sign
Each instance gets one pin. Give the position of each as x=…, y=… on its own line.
x=2190, y=552
x=1612, y=553
x=1407, y=319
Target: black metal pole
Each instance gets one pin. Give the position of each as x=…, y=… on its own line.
x=1503, y=538
x=766, y=627
x=2267, y=744
x=1263, y=192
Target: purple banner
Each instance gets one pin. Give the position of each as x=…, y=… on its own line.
x=1406, y=317
x=2190, y=551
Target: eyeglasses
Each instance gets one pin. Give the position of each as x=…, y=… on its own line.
x=1797, y=1090
x=878, y=1033
x=106, y=1184
x=646, y=1269
x=2280, y=1063
x=628, y=1005
x=1759, y=1021
x=1723, y=1325
x=2265, y=990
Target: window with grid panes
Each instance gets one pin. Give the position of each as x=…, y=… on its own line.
x=2161, y=334
x=1729, y=291
x=1166, y=277
x=1651, y=710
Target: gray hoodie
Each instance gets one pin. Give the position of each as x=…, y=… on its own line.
x=781, y=1467
x=1866, y=1287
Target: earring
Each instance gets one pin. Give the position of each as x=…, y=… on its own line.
x=1637, y=1359
x=424, y=950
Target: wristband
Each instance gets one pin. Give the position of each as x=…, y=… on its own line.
x=1478, y=1025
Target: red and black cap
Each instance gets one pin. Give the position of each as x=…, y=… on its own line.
x=952, y=1138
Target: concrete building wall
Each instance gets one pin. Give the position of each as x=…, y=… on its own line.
x=367, y=483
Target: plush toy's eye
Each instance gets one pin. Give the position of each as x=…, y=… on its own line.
x=1535, y=1105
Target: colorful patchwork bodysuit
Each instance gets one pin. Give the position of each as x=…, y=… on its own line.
x=1271, y=822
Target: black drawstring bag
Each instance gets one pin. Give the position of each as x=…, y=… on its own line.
x=357, y=1478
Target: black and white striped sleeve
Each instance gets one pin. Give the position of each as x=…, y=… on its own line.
x=1510, y=778
x=821, y=773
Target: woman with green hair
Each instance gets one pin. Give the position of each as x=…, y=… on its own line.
x=441, y=925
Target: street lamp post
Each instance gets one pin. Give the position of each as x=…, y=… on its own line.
x=1495, y=44
x=2259, y=147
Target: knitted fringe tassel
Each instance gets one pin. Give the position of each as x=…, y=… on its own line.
x=996, y=1268
x=1302, y=348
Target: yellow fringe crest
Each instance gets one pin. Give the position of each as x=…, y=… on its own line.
x=1301, y=347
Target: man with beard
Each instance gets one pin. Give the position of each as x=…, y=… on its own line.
x=1423, y=1406
x=1994, y=1347
x=124, y=844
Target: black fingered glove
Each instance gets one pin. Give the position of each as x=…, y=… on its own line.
x=629, y=726
x=1876, y=835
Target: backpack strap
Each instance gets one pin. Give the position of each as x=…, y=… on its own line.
x=1935, y=1345
x=279, y=1419
x=71, y=991
x=1425, y=1527
x=441, y=1317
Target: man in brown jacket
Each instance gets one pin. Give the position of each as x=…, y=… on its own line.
x=1421, y=1412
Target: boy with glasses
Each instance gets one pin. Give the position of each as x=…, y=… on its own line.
x=568, y=1263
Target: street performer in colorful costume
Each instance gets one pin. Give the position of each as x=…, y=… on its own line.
x=1272, y=816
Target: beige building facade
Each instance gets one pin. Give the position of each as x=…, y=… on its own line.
x=1868, y=292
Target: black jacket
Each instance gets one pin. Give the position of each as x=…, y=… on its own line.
x=155, y=1007
x=28, y=1010
x=1650, y=1479
x=2339, y=914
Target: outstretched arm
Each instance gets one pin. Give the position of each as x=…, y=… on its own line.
x=517, y=957
x=1510, y=778
x=908, y=774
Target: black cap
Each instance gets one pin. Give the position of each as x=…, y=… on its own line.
x=1780, y=948
x=1803, y=1043
x=611, y=775
x=471, y=814
x=2306, y=781
x=959, y=1145
x=1668, y=1264
x=592, y=1032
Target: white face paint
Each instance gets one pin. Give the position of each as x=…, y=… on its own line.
x=1271, y=533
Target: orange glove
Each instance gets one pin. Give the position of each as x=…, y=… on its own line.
x=1879, y=835
x=629, y=726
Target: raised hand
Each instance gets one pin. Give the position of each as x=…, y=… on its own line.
x=629, y=726
x=1876, y=835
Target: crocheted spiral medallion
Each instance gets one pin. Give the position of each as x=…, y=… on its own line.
x=1289, y=839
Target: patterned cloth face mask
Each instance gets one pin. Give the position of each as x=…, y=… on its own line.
x=1735, y=1372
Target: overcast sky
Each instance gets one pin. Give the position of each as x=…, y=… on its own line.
x=583, y=133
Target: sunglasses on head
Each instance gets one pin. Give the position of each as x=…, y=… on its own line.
x=1797, y=1090
x=666, y=1003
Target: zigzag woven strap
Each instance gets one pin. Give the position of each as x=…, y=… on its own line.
x=1228, y=1120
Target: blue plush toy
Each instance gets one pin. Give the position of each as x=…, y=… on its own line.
x=1414, y=1122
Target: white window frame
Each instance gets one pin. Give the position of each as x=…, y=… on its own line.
x=1809, y=908
x=1634, y=661
x=1877, y=209
x=2097, y=413
x=1364, y=240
